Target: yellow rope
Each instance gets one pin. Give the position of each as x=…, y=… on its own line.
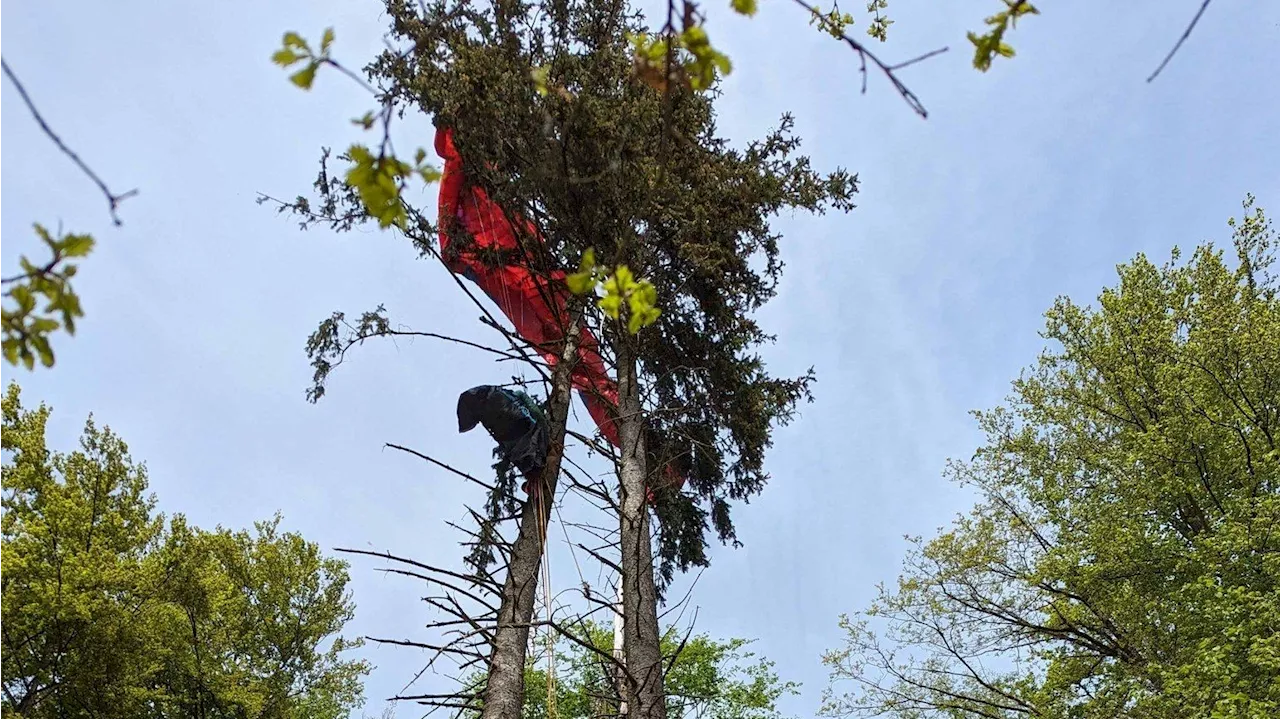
x=552, y=712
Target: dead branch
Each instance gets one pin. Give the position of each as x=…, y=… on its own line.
x=438, y=463
x=113, y=200
x=1185, y=34
x=413, y=563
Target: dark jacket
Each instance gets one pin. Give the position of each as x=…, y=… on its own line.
x=515, y=421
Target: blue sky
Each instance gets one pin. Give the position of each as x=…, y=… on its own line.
x=1028, y=182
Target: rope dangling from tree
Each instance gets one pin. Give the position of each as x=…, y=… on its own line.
x=544, y=519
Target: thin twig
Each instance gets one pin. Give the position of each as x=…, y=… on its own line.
x=442, y=584
x=393, y=558
x=38, y=272
x=920, y=58
x=888, y=70
x=442, y=649
x=361, y=337
x=349, y=73
x=113, y=200
x=442, y=465
x=1185, y=34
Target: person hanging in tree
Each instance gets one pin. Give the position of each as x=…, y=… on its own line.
x=516, y=422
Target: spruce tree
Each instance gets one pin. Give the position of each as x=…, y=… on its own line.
x=555, y=124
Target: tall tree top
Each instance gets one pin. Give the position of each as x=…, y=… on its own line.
x=554, y=122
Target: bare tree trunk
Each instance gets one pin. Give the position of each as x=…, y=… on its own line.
x=504, y=690
x=641, y=639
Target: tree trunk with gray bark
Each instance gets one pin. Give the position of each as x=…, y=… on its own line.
x=641, y=637
x=504, y=691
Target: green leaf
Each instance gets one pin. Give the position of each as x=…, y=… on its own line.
x=625, y=280
x=1019, y=10
x=285, y=57
x=43, y=350
x=584, y=279
x=46, y=237
x=360, y=154
x=24, y=297
x=991, y=45
x=644, y=296
x=43, y=325
x=642, y=318
x=539, y=76
x=641, y=300
x=745, y=7
x=376, y=182
x=304, y=77
x=695, y=37
x=611, y=305
x=294, y=40
x=612, y=288
x=366, y=121
x=77, y=245
x=429, y=174
x=326, y=41
x=580, y=282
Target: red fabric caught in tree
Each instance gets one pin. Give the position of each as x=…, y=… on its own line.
x=532, y=302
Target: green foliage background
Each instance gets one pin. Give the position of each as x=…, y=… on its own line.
x=707, y=679
x=1124, y=559
x=109, y=610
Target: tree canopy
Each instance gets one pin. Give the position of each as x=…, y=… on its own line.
x=1123, y=558
x=112, y=611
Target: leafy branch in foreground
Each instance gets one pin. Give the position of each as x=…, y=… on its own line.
x=658, y=61
x=26, y=332
x=378, y=179
x=686, y=57
x=620, y=286
x=987, y=46
x=26, y=327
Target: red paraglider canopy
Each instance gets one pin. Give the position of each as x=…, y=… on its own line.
x=533, y=302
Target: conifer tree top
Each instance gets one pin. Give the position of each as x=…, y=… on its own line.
x=554, y=123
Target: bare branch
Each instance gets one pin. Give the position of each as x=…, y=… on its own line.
x=438, y=463
x=479, y=581
x=113, y=200
x=888, y=70
x=442, y=649
x=1185, y=34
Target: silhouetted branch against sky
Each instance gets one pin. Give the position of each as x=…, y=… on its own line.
x=113, y=200
x=1185, y=34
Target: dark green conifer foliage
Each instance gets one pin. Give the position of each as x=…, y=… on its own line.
x=553, y=122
